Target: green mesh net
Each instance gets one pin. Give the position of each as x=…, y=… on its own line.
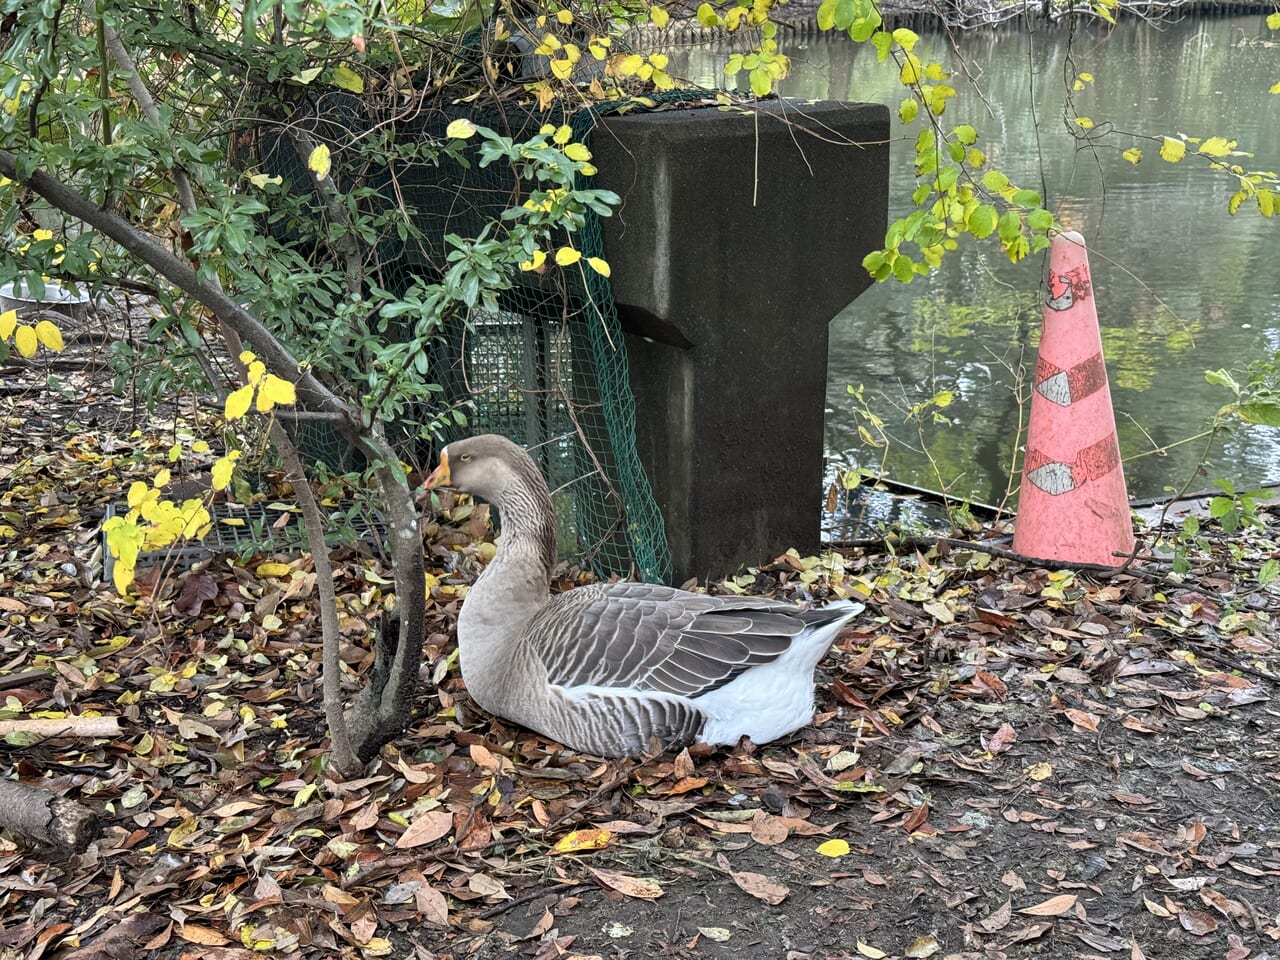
x=549, y=368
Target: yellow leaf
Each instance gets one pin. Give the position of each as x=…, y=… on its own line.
x=1084, y=123
x=161, y=479
x=257, y=370
x=1133, y=155
x=223, y=467
x=599, y=266
x=348, y=79
x=8, y=320
x=833, y=848
x=577, y=151
x=580, y=840
x=237, y=404
x=873, y=953
x=659, y=61
x=1172, y=150
x=260, y=180
x=246, y=357
x=566, y=256
x=565, y=16
x=1040, y=771
x=42, y=235
x=539, y=258
x=659, y=16
x=24, y=338
x=1217, y=146
x=562, y=69
x=460, y=129
x=563, y=134
x=48, y=333
x=273, y=570
x=319, y=162
x=275, y=390
x=628, y=65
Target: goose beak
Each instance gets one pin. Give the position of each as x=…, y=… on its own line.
x=439, y=477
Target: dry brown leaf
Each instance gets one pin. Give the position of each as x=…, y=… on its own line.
x=432, y=905
x=1053, y=907
x=768, y=829
x=922, y=947
x=205, y=936
x=997, y=919
x=761, y=887
x=426, y=828
x=631, y=886
x=1083, y=720
x=1197, y=922
x=1002, y=739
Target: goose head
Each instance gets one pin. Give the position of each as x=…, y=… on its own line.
x=486, y=466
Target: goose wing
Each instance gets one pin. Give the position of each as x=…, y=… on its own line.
x=648, y=638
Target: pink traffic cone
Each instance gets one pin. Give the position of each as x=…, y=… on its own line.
x=1073, y=505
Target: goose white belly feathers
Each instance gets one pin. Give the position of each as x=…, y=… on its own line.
x=610, y=668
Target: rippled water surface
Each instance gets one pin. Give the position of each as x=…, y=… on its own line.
x=1181, y=286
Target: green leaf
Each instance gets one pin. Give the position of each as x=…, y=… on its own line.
x=1273, y=21
x=1219, y=507
x=902, y=269
x=1026, y=198
x=1222, y=379
x=1270, y=569
x=1010, y=226
x=707, y=16
x=761, y=82
x=348, y=79
x=908, y=110
x=983, y=220
x=883, y=43
x=826, y=15
x=1258, y=412
x=966, y=134
x=995, y=181
x=1040, y=219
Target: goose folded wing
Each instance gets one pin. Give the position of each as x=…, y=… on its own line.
x=645, y=637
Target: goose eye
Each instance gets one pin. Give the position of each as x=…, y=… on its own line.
x=465, y=457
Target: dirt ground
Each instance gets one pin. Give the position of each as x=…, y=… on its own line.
x=1007, y=761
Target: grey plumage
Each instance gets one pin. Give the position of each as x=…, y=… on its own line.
x=613, y=668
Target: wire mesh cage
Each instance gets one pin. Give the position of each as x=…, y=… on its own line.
x=548, y=369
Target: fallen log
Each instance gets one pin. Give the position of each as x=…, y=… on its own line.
x=63, y=727
x=47, y=818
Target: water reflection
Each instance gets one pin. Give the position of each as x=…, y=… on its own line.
x=1181, y=286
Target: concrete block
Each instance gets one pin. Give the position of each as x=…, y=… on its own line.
x=740, y=236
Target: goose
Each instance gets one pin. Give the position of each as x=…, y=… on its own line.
x=615, y=669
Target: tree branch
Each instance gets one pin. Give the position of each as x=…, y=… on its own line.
x=181, y=275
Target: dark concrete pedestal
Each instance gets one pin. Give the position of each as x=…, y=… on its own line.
x=740, y=236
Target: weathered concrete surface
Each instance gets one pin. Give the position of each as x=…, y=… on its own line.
x=740, y=236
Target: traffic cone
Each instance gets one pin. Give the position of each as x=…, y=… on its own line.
x=1073, y=505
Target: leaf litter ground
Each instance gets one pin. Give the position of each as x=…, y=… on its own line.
x=1007, y=761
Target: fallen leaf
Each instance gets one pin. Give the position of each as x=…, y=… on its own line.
x=925, y=946
x=580, y=840
x=631, y=886
x=873, y=953
x=426, y=828
x=833, y=848
x=718, y=934
x=998, y=919
x=761, y=887
x=1053, y=907
x=768, y=829
x=1197, y=922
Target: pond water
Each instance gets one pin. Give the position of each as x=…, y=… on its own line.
x=1181, y=286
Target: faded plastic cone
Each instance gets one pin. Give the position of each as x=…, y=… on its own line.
x=1073, y=505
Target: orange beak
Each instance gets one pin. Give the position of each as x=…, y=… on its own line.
x=439, y=476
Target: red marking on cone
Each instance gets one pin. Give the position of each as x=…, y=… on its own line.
x=1056, y=477
x=1073, y=505
x=1064, y=386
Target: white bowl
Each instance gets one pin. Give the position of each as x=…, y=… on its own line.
x=57, y=297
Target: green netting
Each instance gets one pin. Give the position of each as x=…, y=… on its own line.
x=549, y=368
